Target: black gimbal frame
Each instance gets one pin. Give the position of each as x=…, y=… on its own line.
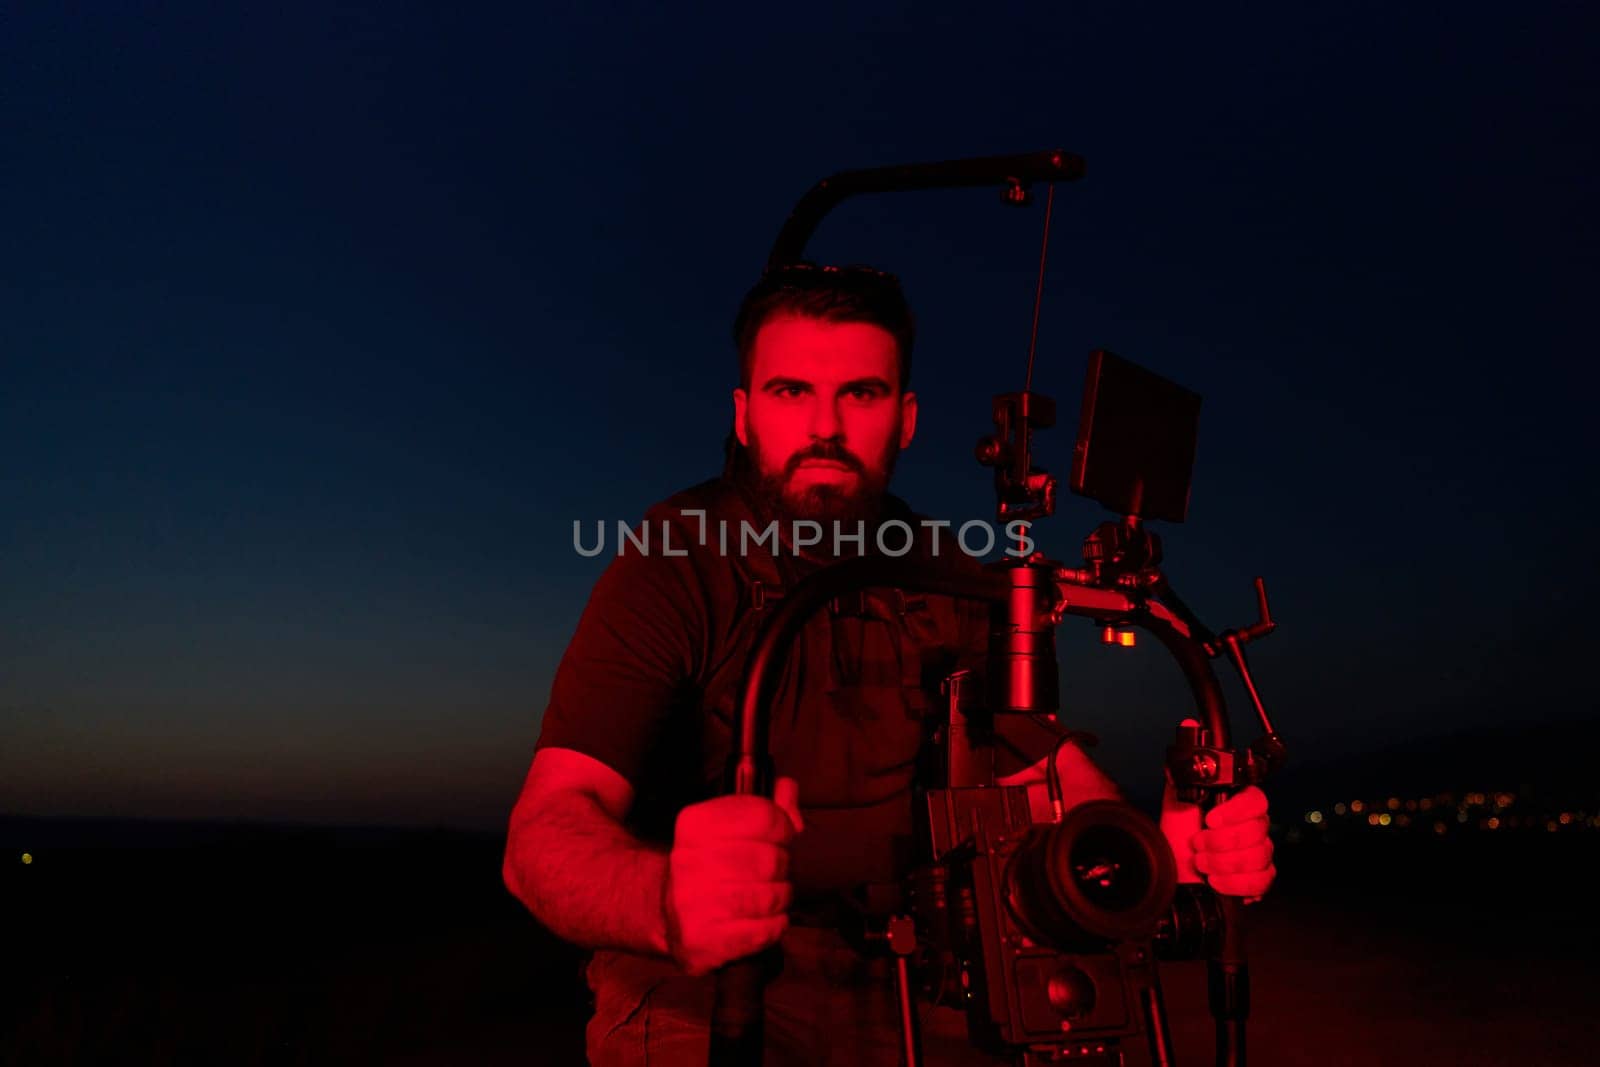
x=1120, y=586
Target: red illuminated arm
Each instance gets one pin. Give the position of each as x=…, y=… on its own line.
x=571, y=862
x=722, y=893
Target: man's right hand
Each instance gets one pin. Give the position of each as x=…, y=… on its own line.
x=727, y=891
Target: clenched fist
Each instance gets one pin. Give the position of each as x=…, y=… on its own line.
x=1232, y=853
x=727, y=891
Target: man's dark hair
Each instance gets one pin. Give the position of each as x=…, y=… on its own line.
x=837, y=294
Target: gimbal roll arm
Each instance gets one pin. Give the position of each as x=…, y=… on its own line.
x=1174, y=632
x=1011, y=172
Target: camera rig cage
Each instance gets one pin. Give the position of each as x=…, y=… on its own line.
x=1047, y=934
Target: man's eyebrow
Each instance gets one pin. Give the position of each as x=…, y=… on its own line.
x=772, y=384
x=872, y=382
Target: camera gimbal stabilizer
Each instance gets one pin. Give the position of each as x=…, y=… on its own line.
x=1047, y=934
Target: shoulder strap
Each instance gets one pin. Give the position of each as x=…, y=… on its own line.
x=726, y=515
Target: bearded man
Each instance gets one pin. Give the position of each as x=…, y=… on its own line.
x=620, y=841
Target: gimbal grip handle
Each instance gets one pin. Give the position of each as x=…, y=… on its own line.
x=737, y=1015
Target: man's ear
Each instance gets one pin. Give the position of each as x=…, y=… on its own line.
x=908, y=418
x=741, y=404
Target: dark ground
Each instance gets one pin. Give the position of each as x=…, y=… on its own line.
x=161, y=943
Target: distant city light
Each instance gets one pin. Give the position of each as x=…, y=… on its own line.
x=1476, y=810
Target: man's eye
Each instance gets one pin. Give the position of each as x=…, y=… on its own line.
x=863, y=393
x=789, y=392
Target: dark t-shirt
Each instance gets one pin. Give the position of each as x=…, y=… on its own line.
x=650, y=680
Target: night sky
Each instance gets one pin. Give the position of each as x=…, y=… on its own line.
x=318, y=329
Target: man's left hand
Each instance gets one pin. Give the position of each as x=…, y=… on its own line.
x=1233, y=852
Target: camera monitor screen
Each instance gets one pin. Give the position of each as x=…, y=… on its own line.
x=1136, y=440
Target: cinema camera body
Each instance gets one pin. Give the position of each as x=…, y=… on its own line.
x=1046, y=928
x=1043, y=932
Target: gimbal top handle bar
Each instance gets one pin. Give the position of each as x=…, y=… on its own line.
x=736, y=1021
x=1017, y=171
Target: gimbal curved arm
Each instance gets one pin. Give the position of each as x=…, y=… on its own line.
x=1053, y=165
x=1174, y=633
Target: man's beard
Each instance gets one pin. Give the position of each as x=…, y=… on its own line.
x=821, y=502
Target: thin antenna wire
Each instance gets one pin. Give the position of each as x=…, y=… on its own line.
x=1038, y=296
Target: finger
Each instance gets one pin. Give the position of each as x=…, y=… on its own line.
x=786, y=794
x=736, y=818
x=1238, y=861
x=1245, y=834
x=735, y=861
x=756, y=900
x=1248, y=803
x=746, y=937
x=1243, y=885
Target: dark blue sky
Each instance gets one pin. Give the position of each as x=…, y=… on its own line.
x=318, y=328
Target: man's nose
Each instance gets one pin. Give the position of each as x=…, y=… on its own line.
x=825, y=420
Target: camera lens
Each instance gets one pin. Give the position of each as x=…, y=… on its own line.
x=1104, y=873
x=1109, y=869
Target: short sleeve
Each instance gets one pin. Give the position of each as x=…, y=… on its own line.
x=632, y=659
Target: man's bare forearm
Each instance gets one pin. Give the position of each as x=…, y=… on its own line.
x=586, y=878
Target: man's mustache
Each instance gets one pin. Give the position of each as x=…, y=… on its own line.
x=830, y=451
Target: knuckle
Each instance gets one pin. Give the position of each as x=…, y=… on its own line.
x=772, y=863
x=687, y=823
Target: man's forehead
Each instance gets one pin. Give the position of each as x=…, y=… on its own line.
x=812, y=349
